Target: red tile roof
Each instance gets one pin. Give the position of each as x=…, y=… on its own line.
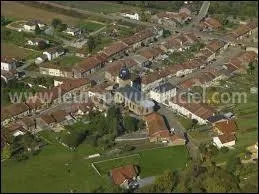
x=156, y=125
x=212, y=23
x=225, y=138
x=13, y=110
x=115, y=48
x=200, y=109
x=115, y=67
x=226, y=127
x=59, y=115
x=142, y=35
x=215, y=45
x=150, y=53
x=120, y=174
x=47, y=118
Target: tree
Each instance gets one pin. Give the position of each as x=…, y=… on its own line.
x=6, y=152
x=232, y=164
x=194, y=123
x=42, y=45
x=91, y=43
x=37, y=29
x=141, y=124
x=56, y=22
x=251, y=68
x=130, y=123
x=62, y=27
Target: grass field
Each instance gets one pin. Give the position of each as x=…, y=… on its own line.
x=25, y=12
x=105, y=166
x=52, y=163
x=68, y=61
x=99, y=6
x=9, y=49
x=91, y=26
x=151, y=162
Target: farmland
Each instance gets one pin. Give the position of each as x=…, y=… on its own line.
x=52, y=164
x=99, y=6
x=9, y=49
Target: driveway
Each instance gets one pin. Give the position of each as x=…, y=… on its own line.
x=146, y=181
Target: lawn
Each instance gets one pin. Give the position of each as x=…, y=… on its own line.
x=47, y=172
x=244, y=140
x=52, y=163
x=105, y=166
x=151, y=162
x=9, y=49
x=91, y=26
x=66, y=61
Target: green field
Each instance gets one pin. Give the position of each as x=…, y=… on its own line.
x=151, y=162
x=91, y=26
x=49, y=166
x=99, y=6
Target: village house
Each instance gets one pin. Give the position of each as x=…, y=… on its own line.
x=142, y=38
x=56, y=70
x=16, y=129
x=8, y=63
x=124, y=176
x=158, y=131
x=209, y=24
x=240, y=62
x=156, y=127
x=28, y=123
x=197, y=111
x=54, y=52
x=9, y=75
x=13, y=111
x=116, y=50
x=63, y=92
x=101, y=93
x=172, y=19
x=46, y=121
x=244, y=30
x=37, y=41
x=31, y=25
x=35, y=104
x=131, y=15
x=141, y=61
x=62, y=118
x=179, y=42
x=151, y=53
x=73, y=31
x=80, y=109
x=163, y=92
x=112, y=70
x=134, y=100
x=225, y=131
x=89, y=65
x=216, y=46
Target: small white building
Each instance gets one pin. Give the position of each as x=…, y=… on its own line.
x=53, y=53
x=7, y=64
x=133, y=16
x=73, y=31
x=163, y=92
x=224, y=140
x=31, y=25
x=36, y=41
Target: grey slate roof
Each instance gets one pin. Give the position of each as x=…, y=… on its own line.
x=164, y=87
x=132, y=94
x=215, y=118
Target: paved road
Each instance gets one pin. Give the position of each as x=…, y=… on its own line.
x=146, y=181
x=203, y=11
x=179, y=130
